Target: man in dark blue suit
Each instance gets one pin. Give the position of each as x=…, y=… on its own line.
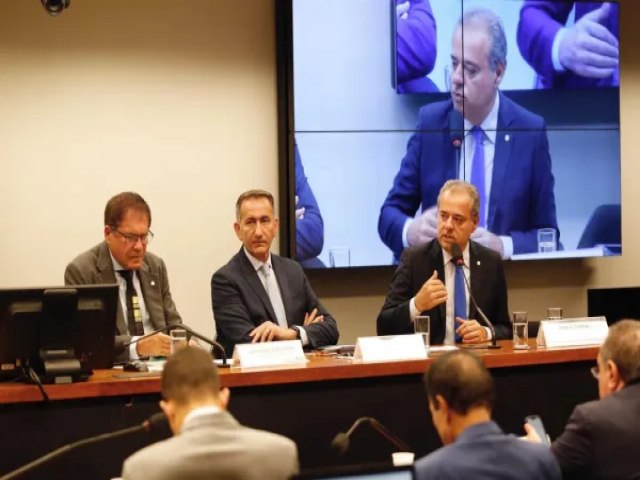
x=461, y=394
x=584, y=54
x=478, y=135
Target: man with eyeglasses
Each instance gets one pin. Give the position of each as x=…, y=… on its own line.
x=261, y=297
x=427, y=282
x=145, y=298
x=602, y=437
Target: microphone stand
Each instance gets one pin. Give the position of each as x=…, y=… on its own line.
x=340, y=442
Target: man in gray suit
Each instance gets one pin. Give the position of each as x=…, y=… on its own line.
x=602, y=439
x=208, y=442
x=145, y=299
x=461, y=393
x=261, y=297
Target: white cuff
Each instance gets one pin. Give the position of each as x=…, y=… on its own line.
x=555, y=50
x=303, y=335
x=133, y=352
x=405, y=231
x=489, y=336
x=413, y=310
x=507, y=247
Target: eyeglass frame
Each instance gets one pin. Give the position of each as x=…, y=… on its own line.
x=132, y=238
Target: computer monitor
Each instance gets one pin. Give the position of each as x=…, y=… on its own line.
x=614, y=303
x=62, y=332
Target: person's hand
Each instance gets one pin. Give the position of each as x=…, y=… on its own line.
x=424, y=228
x=588, y=48
x=471, y=331
x=269, y=331
x=299, y=211
x=532, y=435
x=488, y=239
x=155, y=345
x=431, y=294
x=402, y=9
x=312, y=317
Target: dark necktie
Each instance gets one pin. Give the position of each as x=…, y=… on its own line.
x=134, y=317
x=459, y=299
x=477, y=171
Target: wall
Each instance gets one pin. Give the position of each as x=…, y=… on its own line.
x=177, y=101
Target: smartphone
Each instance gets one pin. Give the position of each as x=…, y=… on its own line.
x=536, y=422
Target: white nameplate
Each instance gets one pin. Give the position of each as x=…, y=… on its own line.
x=390, y=347
x=266, y=354
x=572, y=332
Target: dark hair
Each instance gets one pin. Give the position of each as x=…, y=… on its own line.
x=252, y=194
x=189, y=373
x=119, y=204
x=462, y=380
x=622, y=347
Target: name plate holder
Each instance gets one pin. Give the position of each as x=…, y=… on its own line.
x=390, y=348
x=268, y=354
x=572, y=332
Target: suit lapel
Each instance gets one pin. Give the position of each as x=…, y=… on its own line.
x=150, y=286
x=250, y=275
x=477, y=276
x=106, y=275
x=436, y=258
x=504, y=140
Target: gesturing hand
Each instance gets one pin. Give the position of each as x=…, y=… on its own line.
x=431, y=294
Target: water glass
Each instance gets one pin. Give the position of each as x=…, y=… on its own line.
x=554, y=313
x=422, y=325
x=178, y=339
x=520, y=331
x=339, y=257
x=547, y=240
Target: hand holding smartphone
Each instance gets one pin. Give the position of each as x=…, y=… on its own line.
x=536, y=422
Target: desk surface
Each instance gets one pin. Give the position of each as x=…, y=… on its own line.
x=104, y=383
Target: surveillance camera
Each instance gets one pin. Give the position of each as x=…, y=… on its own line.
x=55, y=7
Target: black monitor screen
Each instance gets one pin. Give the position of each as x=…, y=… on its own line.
x=71, y=322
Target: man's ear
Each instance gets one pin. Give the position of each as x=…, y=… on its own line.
x=223, y=398
x=613, y=377
x=167, y=408
x=500, y=71
x=236, y=227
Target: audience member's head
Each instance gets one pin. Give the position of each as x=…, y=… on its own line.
x=256, y=224
x=619, y=357
x=478, y=63
x=127, y=219
x=458, y=213
x=460, y=392
x=190, y=380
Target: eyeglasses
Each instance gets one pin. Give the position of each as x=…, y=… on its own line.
x=132, y=239
x=595, y=371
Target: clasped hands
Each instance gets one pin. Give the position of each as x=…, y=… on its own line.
x=433, y=293
x=269, y=331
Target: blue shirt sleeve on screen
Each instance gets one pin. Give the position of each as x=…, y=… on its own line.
x=416, y=41
x=310, y=229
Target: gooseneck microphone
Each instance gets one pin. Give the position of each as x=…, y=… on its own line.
x=458, y=260
x=209, y=341
x=456, y=135
x=151, y=425
x=340, y=443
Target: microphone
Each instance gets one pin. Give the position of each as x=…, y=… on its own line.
x=151, y=425
x=456, y=134
x=208, y=341
x=340, y=443
x=458, y=261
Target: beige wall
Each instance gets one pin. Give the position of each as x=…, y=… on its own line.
x=176, y=100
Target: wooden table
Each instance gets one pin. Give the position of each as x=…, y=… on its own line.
x=308, y=403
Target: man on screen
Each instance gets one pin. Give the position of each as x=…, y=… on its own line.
x=427, y=281
x=261, y=297
x=504, y=152
x=602, y=437
x=584, y=54
x=145, y=298
x=461, y=395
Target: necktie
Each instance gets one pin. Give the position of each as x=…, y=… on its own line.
x=274, y=295
x=477, y=170
x=134, y=317
x=459, y=299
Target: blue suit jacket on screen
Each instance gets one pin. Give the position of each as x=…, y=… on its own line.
x=521, y=199
x=484, y=452
x=310, y=229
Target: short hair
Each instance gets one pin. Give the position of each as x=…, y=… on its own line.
x=495, y=30
x=470, y=189
x=118, y=205
x=252, y=194
x=622, y=347
x=462, y=380
x=189, y=374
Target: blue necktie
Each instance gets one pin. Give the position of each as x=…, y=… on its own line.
x=459, y=300
x=477, y=170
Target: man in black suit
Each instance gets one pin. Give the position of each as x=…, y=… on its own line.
x=426, y=281
x=261, y=297
x=602, y=437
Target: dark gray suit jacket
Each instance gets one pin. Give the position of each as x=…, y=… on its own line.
x=602, y=438
x=417, y=264
x=95, y=267
x=215, y=446
x=241, y=303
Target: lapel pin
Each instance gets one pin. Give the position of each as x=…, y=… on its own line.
x=507, y=137
x=478, y=262
x=153, y=283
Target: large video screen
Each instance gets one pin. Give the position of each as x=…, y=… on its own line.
x=392, y=98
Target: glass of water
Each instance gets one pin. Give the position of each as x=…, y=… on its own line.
x=547, y=240
x=520, y=331
x=422, y=326
x=554, y=313
x=340, y=257
x=178, y=339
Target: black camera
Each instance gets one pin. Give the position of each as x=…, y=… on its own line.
x=55, y=7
